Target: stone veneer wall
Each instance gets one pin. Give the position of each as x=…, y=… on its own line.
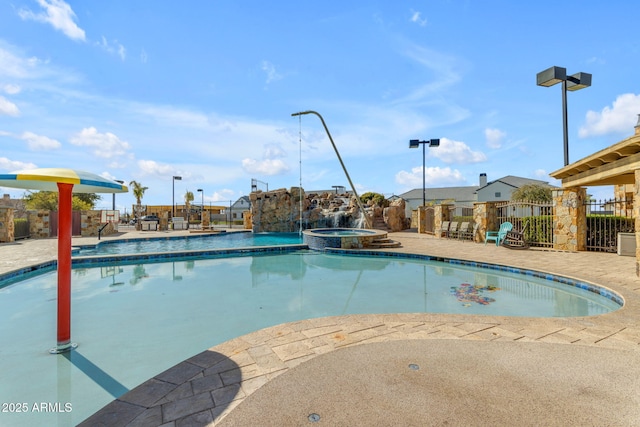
x=6, y=225
x=39, y=224
x=90, y=224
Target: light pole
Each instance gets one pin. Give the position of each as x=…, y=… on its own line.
x=173, y=195
x=202, y=209
x=415, y=143
x=113, y=207
x=553, y=75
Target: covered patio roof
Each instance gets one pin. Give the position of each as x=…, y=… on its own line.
x=613, y=165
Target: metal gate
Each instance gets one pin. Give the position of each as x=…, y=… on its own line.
x=76, y=223
x=429, y=220
x=20, y=228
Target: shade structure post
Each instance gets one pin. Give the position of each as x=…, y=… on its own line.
x=64, y=267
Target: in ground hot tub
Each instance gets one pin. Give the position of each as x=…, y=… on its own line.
x=343, y=238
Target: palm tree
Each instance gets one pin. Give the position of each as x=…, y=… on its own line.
x=188, y=198
x=138, y=192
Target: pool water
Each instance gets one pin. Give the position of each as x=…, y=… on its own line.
x=188, y=243
x=134, y=321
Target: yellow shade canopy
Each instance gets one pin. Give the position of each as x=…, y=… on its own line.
x=47, y=179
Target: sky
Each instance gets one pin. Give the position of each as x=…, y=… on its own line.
x=205, y=90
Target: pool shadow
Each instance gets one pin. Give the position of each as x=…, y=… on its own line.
x=195, y=391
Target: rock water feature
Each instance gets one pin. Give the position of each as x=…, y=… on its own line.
x=279, y=211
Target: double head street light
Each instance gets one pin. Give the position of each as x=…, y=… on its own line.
x=173, y=194
x=554, y=75
x=415, y=143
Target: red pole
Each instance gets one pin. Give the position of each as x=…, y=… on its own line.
x=64, y=267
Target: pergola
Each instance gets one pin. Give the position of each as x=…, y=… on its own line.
x=614, y=165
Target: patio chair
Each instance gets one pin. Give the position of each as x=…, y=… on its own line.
x=515, y=239
x=444, y=229
x=462, y=231
x=498, y=236
x=470, y=234
x=453, y=230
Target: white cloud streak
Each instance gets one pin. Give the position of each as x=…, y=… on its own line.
x=8, y=108
x=59, y=15
x=39, y=142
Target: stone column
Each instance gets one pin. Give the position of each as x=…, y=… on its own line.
x=422, y=219
x=7, y=231
x=636, y=211
x=570, y=221
x=441, y=213
x=485, y=214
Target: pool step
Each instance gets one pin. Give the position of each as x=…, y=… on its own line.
x=384, y=243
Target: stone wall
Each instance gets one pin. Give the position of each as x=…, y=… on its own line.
x=39, y=224
x=6, y=225
x=90, y=225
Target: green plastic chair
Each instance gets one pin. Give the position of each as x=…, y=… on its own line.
x=498, y=236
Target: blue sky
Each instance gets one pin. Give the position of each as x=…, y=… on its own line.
x=205, y=90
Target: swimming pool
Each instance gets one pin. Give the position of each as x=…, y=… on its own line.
x=136, y=318
x=187, y=243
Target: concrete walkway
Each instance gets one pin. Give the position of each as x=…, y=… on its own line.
x=406, y=369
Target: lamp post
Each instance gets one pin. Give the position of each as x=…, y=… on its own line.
x=554, y=75
x=415, y=143
x=173, y=195
x=200, y=190
x=113, y=207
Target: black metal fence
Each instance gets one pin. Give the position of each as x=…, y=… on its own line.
x=605, y=219
x=20, y=228
x=538, y=218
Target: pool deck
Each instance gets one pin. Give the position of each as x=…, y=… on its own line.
x=404, y=369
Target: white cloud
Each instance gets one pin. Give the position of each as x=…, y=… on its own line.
x=59, y=15
x=494, y=137
x=151, y=167
x=221, y=196
x=265, y=167
x=434, y=177
x=416, y=17
x=270, y=70
x=106, y=145
x=11, y=89
x=143, y=56
x=114, y=49
x=541, y=174
x=12, y=165
x=8, y=108
x=621, y=117
x=39, y=142
x=451, y=151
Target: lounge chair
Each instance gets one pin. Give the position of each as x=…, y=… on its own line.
x=444, y=229
x=463, y=230
x=453, y=230
x=469, y=234
x=498, y=236
x=516, y=239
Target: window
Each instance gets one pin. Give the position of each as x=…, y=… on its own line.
x=498, y=194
